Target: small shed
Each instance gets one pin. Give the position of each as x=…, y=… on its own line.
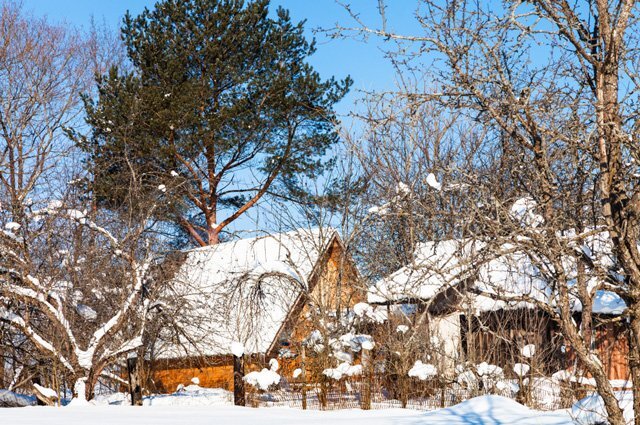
x=482, y=292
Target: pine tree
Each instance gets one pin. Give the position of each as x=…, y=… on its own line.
x=220, y=108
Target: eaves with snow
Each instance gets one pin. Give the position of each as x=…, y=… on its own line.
x=489, y=279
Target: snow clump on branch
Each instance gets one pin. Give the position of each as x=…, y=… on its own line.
x=423, y=371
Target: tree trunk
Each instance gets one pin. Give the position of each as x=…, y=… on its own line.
x=238, y=381
x=609, y=153
x=303, y=368
x=213, y=236
x=367, y=367
x=634, y=360
x=135, y=389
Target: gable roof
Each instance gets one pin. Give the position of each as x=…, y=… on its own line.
x=241, y=291
x=466, y=264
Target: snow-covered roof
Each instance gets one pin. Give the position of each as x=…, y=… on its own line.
x=511, y=275
x=241, y=291
x=438, y=266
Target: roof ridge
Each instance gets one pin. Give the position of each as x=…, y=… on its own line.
x=330, y=231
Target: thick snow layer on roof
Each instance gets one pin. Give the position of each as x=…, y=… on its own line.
x=495, y=279
x=436, y=265
x=524, y=211
x=240, y=292
x=509, y=276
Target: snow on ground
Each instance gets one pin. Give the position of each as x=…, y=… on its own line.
x=491, y=410
x=494, y=410
x=201, y=415
x=591, y=410
x=191, y=395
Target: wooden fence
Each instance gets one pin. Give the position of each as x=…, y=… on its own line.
x=541, y=398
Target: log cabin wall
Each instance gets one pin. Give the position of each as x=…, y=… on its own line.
x=212, y=372
x=334, y=287
x=168, y=375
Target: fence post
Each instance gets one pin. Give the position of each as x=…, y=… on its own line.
x=365, y=394
x=238, y=382
x=303, y=368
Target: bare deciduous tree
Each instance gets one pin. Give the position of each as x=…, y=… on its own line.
x=76, y=290
x=72, y=292
x=553, y=84
x=43, y=70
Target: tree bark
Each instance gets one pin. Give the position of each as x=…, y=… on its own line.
x=367, y=368
x=303, y=375
x=238, y=381
x=634, y=359
x=135, y=389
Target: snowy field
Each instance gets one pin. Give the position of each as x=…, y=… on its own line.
x=483, y=410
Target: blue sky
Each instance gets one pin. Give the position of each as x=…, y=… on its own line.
x=363, y=61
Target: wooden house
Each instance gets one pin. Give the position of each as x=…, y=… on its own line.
x=475, y=300
x=254, y=292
